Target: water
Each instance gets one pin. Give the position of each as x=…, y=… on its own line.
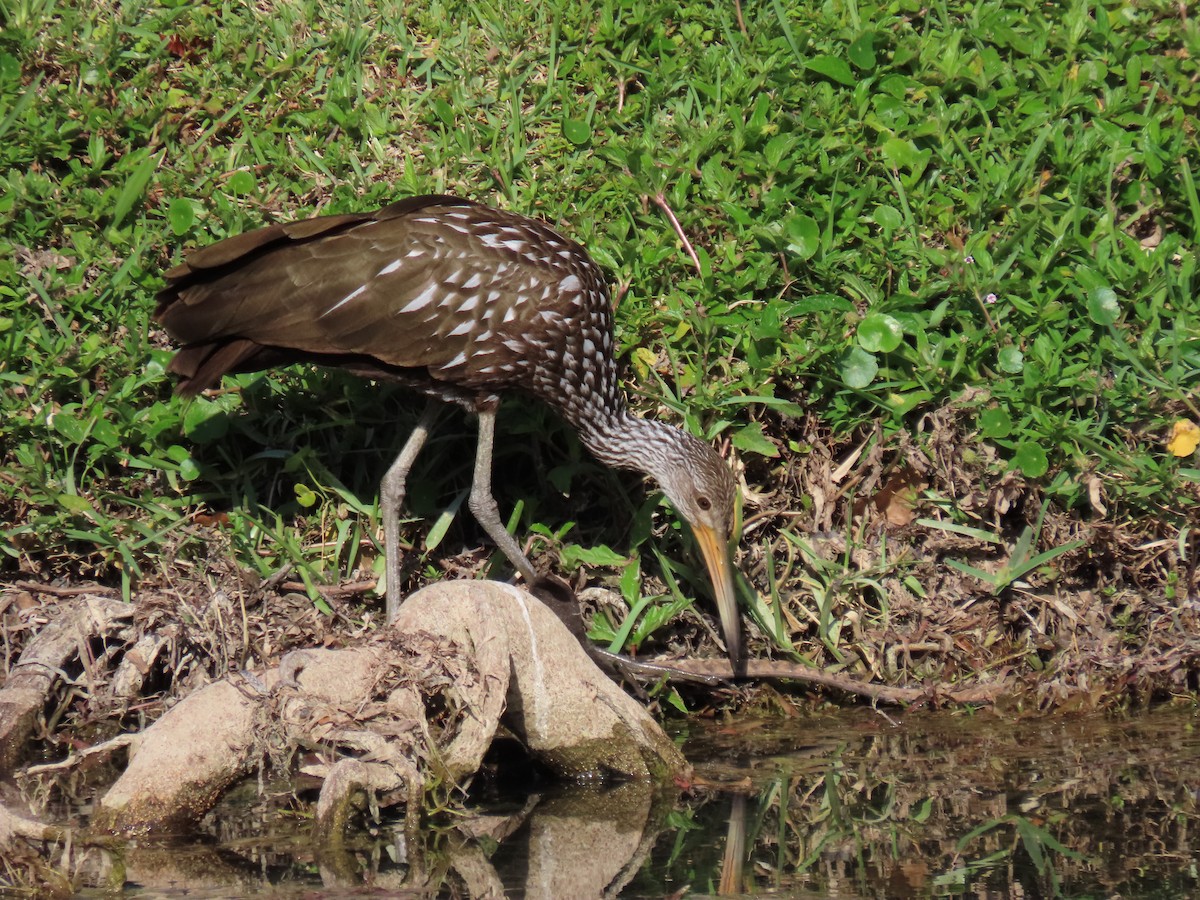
x=914, y=805
x=847, y=805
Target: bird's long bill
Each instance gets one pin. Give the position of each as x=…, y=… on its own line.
x=715, y=549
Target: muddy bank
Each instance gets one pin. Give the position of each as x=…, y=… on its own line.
x=97, y=672
x=384, y=722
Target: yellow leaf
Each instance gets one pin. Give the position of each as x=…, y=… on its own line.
x=1185, y=438
x=644, y=361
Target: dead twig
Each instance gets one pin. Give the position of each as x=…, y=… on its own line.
x=703, y=670
x=13, y=826
x=661, y=201
x=74, y=759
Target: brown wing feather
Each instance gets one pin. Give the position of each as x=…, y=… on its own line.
x=433, y=283
x=230, y=302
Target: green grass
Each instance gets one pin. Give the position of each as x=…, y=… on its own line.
x=895, y=208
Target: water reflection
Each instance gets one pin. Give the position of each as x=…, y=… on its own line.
x=857, y=804
x=863, y=805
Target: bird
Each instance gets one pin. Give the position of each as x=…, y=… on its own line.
x=463, y=303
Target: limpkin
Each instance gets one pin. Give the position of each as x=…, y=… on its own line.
x=462, y=302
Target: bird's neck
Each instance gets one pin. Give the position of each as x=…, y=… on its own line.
x=620, y=439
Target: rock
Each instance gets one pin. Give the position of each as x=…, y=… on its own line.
x=570, y=716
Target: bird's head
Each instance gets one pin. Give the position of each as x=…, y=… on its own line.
x=701, y=487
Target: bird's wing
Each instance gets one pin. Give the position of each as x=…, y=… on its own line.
x=414, y=284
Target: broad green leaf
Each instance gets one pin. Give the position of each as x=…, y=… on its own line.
x=154, y=364
x=1103, y=308
x=70, y=424
x=896, y=86
x=10, y=67
x=888, y=218
x=242, y=182
x=862, y=51
x=832, y=68
x=180, y=214
x=804, y=235
x=305, y=496
x=752, y=440
x=995, y=423
x=1031, y=460
x=901, y=404
x=205, y=421
x=644, y=360
x=76, y=504
x=778, y=150
x=879, y=333
x=859, y=368
x=817, y=303
x=1010, y=360
x=905, y=155
x=1089, y=279
x=576, y=131
x=573, y=555
x=561, y=477
x=105, y=434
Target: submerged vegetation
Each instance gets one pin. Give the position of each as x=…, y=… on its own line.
x=926, y=272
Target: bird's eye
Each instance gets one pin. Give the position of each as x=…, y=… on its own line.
x=704, y=503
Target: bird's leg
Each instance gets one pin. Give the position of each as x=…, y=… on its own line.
x=391, y=496
x=483, y=504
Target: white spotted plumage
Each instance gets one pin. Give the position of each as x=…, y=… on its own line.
x=457, y=300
